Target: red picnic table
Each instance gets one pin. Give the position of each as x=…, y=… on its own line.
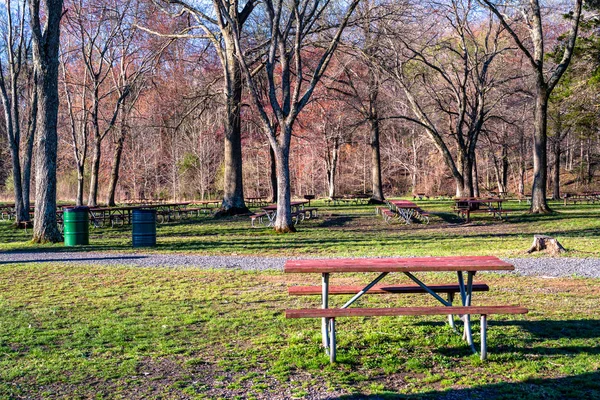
x=405, y=209
x=467, y=205
x=271, y=210
x=406, y=266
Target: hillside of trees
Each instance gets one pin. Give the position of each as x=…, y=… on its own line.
x=184, y=99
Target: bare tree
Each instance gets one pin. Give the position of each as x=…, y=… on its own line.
x=221, y=24
x=289, y=27
x=448, y=82
x=335, y=132
x=364, y=79
x=46, y=43
x=15, y=96
x=531, y=16
x=129, y=80
x=78, y=123
x=97, y=28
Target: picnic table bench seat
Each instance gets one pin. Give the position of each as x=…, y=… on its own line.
x=297, y=216
x=257, y=216
x=465, y=212
x=397, y=311
x=422, y=215
x=197, y=211
x=338, y=200
x=387, y=214
x=311, y=212
x=382, y=289
x=332, y=313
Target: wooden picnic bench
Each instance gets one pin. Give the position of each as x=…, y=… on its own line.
x=387, y=214
x=589, y=198
x=258, y=218
x=405, y=211
x=299, y=213
x=407, y=266
x=466, y=206
x=337, y=200
x=526, y=198
x=420, y=196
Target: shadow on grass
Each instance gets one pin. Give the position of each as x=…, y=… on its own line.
x=546, y=329
x=448, y=217
x=583, y=386
x=558, y=329
x=335, y=221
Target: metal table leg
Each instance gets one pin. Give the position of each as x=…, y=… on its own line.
x=466, y=294
x=483, y=336
x=450, y=316
x=364, y=290
x=325, y=303
x=332, y=340
x=271, y=216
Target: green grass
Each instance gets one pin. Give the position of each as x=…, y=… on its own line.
x=355, y=231
x=121, y=332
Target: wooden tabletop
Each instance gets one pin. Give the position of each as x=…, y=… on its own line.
x=184, y=203
x=123, y=208
x=416, y=264
x=479, y=200
x=404, y=204
x=293, y=204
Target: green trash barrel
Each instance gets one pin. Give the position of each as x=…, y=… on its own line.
x=76, y=226
x=144, y=228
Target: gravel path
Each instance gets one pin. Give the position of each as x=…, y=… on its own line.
x=550, y=267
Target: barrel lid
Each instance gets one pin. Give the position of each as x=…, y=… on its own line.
x=76, y=208
x=145, y=210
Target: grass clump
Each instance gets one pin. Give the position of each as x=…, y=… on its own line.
x=120, y=332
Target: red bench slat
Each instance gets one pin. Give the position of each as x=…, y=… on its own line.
x=378, y=312
x=378, y=289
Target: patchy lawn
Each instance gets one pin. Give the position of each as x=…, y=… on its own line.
x=356, y=231
x=109, y=332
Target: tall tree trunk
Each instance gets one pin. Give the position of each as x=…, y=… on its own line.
x=556, y=169
x=458, y=178
x=377, y=196
x=12, y=126
x=283, y=222
x=475, y=181
x=467, y=174
x=273, y=175
x=588, y=161
x=505, y=165
x=233, y=188
x=415, y=167
x=21, y=214
x=28, y=156
x=93, y=195
x=332, y=171
x=539, y=204
x=114, y=175
x=521, y=183
x=80, y=184
x=45, y=56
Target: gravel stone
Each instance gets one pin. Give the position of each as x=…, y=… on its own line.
x=147, y=260
x=539, y=266
x=557, y=267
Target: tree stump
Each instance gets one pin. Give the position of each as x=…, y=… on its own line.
x=543, y=242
